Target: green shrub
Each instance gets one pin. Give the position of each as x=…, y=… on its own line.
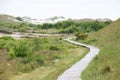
x=9, y=45
x=6, y=42
x=2, y=43
x=81, y=36
x=11, y=54
x=106, y=69
x=19, y=18
x=54, y=48
x=22, y=49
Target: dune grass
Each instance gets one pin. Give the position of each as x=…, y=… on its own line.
x=37, y=58
x=106, y=65
x=51, y=72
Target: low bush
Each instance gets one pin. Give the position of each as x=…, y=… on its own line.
x=106, y=69
x=19, y=18
x=11, y=54
x=6, y=42
x=22, y=49
x=2, y=43
x=81, y=36
x=54, y=48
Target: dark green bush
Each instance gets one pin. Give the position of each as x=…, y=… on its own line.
x=106, y=69
x=54, y=48
x=19, y=18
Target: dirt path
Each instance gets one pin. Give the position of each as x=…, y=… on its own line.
x=74, y=72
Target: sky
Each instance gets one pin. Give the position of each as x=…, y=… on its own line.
x=75, y=9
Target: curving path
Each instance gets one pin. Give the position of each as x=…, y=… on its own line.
x=74, y=72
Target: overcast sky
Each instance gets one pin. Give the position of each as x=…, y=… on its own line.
x=67, y=8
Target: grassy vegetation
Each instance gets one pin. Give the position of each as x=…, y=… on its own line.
x=106, y=65
x=52, y=55
x=68, y=26
x=47, y=58
x=53, y=71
